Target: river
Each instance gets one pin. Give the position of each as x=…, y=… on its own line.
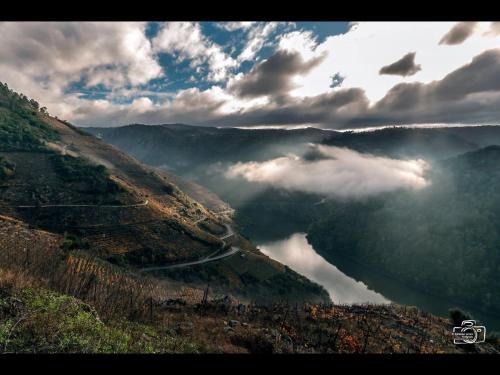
x=296, y=253
x=348, y=282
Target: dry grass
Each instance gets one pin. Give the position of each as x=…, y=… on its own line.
x=30, y=254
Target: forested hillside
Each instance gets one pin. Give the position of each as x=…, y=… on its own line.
x=443, y=239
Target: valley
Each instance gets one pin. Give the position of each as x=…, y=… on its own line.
x=268, y=215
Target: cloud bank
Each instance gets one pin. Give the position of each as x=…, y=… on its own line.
x=340, y=172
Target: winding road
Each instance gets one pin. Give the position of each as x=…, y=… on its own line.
x=145, y=203
x=212, y=257
x=232, y=250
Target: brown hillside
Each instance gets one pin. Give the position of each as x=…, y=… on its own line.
x=107, y=204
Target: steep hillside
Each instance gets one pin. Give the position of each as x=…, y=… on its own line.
x=203, y=154
x=107, y=203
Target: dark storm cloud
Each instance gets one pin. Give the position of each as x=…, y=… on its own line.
x=458, y=33
x=403, y=67
x=273, y=76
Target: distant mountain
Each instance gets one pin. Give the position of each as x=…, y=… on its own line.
x=481, y=160
x=481, y=135
x=181, y=147
x=400, y=142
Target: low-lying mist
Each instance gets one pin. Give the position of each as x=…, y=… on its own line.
x=337, y=172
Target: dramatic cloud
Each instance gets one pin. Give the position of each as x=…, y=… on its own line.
x=340, y=173
x=459, y=33
x=403, y=67
x=273, y=76
x=358, y=54
x=470, y=94
x=261, y=73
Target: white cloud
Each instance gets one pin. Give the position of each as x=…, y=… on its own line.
x=233, y=26
x=42, y=59
x=187, y=40
x=141, y=105
x=256, y=39
x=340, y=173
x=303, y=42
x=68, y=50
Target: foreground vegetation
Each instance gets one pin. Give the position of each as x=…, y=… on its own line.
x=36, y=320
x=56, y=300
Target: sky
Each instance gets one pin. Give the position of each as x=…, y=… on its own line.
x=333, y=75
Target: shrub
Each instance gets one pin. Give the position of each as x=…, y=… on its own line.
x=7, y=169
x=78, y=170
x=457, y=316
x=49, y=322
x=21, y=127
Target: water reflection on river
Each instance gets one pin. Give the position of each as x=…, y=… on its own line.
x=299, y=255
x=296, y=253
